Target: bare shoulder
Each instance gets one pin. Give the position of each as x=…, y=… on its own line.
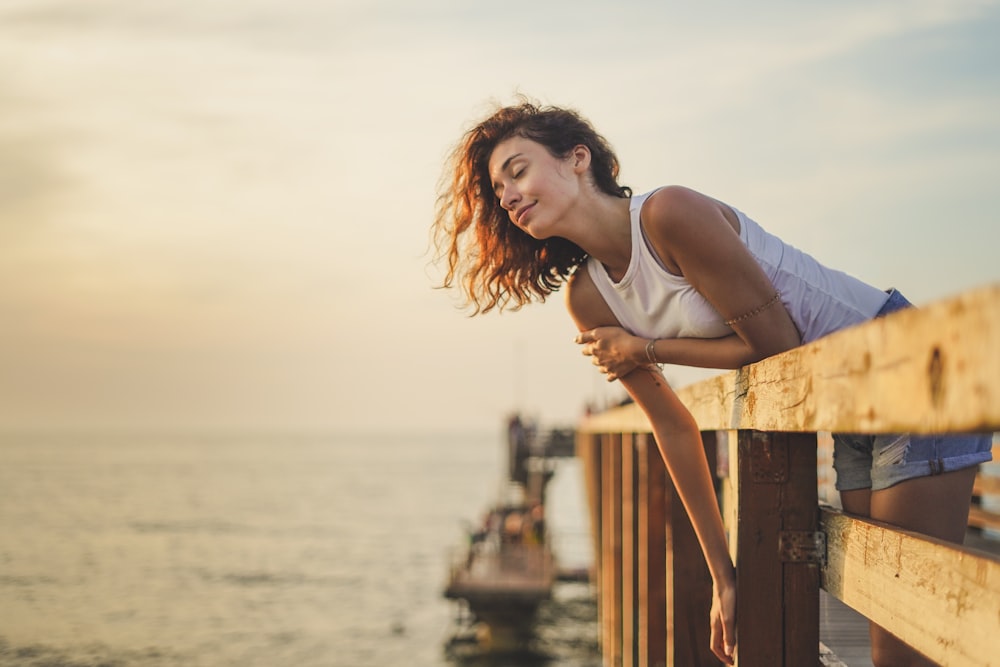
x=585, y=303
x=680, y=221
x=676, y=207
x=673, y=198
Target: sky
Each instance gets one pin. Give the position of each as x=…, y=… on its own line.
x=215, y=214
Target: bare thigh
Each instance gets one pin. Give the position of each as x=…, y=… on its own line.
x=937, y=506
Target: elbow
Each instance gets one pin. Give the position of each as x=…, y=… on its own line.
x=771, y=348
x=769, y=336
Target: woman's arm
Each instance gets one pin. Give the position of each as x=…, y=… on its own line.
x=696, y=237
x=679, y=441
x=616, y=352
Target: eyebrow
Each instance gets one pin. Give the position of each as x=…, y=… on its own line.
x=503, y=168
x=506, y=163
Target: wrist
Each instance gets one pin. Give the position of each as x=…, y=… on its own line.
x=649, y=352
x=723, y=575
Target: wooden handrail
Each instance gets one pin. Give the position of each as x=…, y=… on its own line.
x=933, y=369
x=915, y=587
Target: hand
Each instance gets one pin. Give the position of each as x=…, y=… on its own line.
x=616, y=352
x=723, y=619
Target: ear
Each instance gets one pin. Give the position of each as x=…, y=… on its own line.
x=580, y=159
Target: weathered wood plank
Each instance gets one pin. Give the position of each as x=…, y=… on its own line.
x=763, y=465
x=689, y=583
x=799, y=516
x=924, y=370
x=938, y=597
x=588, y=450
x=653, y=629
x=630, y=582
x=627, y=419
x=611, y=561
x=778, y=604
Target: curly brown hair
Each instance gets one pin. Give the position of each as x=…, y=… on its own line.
x=498, y=264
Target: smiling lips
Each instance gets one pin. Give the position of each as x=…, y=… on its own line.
x=519, y=214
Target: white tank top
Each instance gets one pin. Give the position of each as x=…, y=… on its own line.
x=651, y=302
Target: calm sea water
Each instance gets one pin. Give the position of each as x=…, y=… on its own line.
x=267, y=551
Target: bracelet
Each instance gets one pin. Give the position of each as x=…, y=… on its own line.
x=650, y=353
x=756, y=311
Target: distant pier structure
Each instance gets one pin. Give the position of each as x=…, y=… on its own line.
x=508, y=568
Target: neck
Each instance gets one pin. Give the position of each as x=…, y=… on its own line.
x=603, y=229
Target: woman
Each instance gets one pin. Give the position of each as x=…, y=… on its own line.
x=532, y=201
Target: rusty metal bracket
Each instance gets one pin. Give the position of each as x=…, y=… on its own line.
x=802, y=546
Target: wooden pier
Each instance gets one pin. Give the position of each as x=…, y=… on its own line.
x=935, y=369
x=508, y=568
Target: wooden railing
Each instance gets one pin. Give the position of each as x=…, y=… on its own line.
x=935, y=369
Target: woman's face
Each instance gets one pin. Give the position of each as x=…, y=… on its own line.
x=534, y=187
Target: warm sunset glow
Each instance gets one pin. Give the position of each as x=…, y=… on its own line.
x=215, y=215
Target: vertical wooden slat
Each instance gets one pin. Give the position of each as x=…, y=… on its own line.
x=689, y=584
x=762, y=462
x=588, y=450
x=801, y=579
x=652, y=563
x=611, y=603
x=630, y=598
x=607, y=549
x=730, y=483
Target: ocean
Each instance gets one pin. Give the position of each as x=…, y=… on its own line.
x=256, y=550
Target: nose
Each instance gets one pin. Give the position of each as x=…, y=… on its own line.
x=509, y=198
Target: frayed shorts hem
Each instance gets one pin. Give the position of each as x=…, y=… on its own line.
x=877, y=462
x=878, y=478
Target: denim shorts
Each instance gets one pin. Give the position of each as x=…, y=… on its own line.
x=878, y=461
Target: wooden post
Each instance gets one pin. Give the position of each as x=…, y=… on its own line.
x=611, y=560
x=777, y=555
x=803, y=549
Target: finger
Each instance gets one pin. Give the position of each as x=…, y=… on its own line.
x=585, y=337
x=715, y=640
x=723, y=646
x=718, y=644
x=729, y=636
x=720, y=653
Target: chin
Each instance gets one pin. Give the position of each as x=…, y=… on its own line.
x=537, y=234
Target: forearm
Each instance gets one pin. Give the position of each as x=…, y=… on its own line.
x=684, y=456
x=728, y=352
x=680, y=445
